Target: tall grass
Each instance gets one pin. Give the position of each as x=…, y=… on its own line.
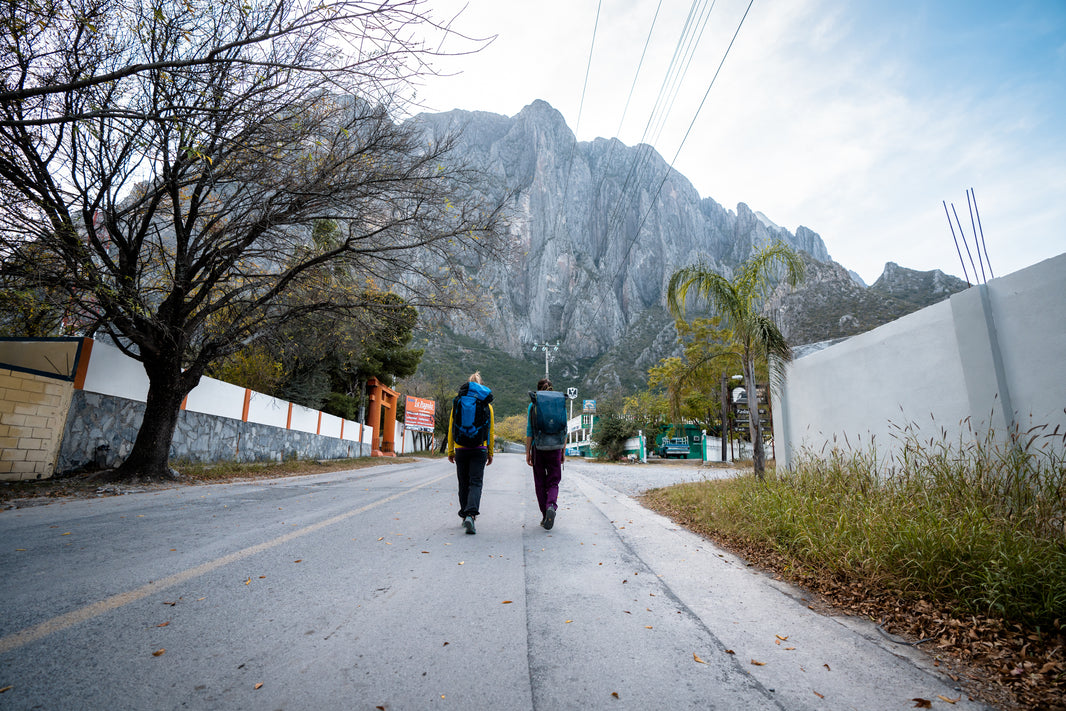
x=975, y=522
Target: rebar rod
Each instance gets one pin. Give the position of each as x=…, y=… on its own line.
x=961, y=260
x=982, y=229
x=964, y=242
x=976, y=244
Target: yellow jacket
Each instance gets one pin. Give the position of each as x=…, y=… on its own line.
x=451, y=437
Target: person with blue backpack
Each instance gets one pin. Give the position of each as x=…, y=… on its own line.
x=545, y=446
x=470, y=439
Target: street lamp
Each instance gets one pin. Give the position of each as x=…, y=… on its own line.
x=549, y=353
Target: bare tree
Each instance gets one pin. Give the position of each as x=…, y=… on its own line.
x=171, y=156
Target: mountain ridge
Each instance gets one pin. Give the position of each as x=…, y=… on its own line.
x=599, y=227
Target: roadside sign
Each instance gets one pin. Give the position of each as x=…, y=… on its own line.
x=419, y=414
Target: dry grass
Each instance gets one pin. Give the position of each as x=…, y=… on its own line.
x=961, y=545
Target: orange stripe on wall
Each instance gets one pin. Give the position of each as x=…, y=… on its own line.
x=288, y=420
x=342, y=428
x=185, y=401
x=83, y=363
x=247, y=401
x=318, y=429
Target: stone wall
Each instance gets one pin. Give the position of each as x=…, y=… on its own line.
x=100, y=430
x=32, y=408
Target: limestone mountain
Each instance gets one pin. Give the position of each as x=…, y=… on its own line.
x=830, y=304
x=597, y=230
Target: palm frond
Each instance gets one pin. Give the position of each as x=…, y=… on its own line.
x=717, y=291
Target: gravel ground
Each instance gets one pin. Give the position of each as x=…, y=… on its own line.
x=633, y=479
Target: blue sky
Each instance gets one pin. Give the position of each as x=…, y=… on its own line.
x=855, y=119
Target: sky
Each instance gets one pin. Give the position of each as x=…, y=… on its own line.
x=855, y=118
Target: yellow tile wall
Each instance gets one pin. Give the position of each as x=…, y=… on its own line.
x=33, y=412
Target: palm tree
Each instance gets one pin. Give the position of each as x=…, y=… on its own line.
x=738, y=303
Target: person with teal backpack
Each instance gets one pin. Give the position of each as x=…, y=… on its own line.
x=470, y=439
x=545, y=446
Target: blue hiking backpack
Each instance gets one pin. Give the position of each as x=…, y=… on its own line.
x=548, y=419
x=470, y=415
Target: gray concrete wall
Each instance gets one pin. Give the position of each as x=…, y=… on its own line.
x=100, y=429
x=991, y=357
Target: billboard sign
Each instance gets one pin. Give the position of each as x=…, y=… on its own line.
x=588, y=406
x=419, y=414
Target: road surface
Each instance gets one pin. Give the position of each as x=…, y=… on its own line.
x=360, y=590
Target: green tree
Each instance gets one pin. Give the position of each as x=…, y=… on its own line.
x=170, y=159
x=738, y=302
x=612, y=431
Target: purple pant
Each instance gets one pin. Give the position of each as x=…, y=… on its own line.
x=547, y=472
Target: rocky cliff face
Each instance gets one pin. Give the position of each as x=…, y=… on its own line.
x=599, y=229
x=830, y=304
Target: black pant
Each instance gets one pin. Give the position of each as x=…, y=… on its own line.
x=470, y=469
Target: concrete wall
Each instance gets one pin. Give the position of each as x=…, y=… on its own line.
x=991, y=357
x=68, y=403
x=100, y=431
x=33, y=409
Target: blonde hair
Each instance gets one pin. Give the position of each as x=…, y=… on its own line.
x=475, y=378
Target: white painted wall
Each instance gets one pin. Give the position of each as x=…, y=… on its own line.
x=267, y=410
x=304, y=419
x=331, y=425
x=944, y=369
x=110, y=372
x=214, y=397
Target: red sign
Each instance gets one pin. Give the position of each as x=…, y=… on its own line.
x=419, y=414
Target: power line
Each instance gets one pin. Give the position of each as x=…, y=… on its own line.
x=666, y=175
x=580, y=108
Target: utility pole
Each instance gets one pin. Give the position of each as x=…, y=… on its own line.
x=549, y=353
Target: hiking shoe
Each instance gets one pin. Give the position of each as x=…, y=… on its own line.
x=549, y=519
x=468, y=524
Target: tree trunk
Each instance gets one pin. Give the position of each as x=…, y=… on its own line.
x=758, y=457
x=150, y=457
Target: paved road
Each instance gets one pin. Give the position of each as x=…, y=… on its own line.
x=359, y=590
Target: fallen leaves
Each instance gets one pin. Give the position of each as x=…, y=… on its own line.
x=259, y=685
x=507, y=602
x=163, y=624
x=920, y=703
x=159, y=652
x=6, y=688
x=697, y=658
x=947, y=700
x=758, y=664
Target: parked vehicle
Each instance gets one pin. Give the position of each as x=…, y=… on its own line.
x=674, y=447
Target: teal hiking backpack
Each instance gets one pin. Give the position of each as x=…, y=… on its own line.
x=548, y=419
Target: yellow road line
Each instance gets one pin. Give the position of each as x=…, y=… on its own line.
x=62, y=622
